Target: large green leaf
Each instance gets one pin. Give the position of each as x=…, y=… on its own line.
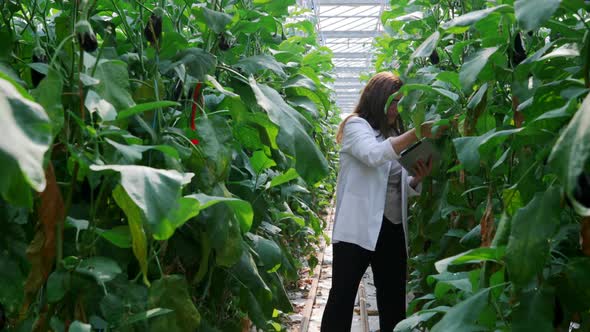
x=156, y=193
x=135, y=220
x=532, y=227
x=469, y=149
x=134, y=153
x=574, y=286
x=172, y=292
x=78, y=326
x=198, y=62
x=216, y=137
x=95, y=104
x=474, y=65
x=463, y=316
x=470, y=18
x=477, y=255
x=427, y=47
x=531, y=14
x=242, y=209
x=216, y=21
x=114, y=83
x=48, y=94
x=409, y=324
x=246, y=272
x=137, y=109
x=293, y=139
x=268, y=251
x=254, y=64
x=27, y=135
x=535, y=312
x=102, y=269
x=572, y=150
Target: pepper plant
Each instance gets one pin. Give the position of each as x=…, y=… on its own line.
x=165, y=164
x=500, y=240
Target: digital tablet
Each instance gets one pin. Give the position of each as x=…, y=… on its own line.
x=421, y=150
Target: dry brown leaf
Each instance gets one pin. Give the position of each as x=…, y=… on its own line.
x=488, y=227
x=41, y=251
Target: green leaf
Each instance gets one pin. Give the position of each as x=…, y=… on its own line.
x=535, y=311
x=48, y=94
x=425, y=87
x=268, y=251
x=198, y=62
x=427, y=47
x=474, y=65
x=134, y=153
x=463, y=316
x=114, y=83
x=216, y=21
x=301, y=81
x=574, y=286
x=568, y=50
x=94, y=103
x=571, y=152
x=102, y=269
x=58, y=284
x=532, y=227
x=219, y=87
x=78, y=326
x=118, y=235
x=409, y=324
x=135, y=220
x=137, y=109
x=471, y=256
x=246, y=271
x=454, y=26
x=27, y=135
x=254, y=64
x=289, y=175
x=242, y=209
x=260, y=161
x=532, y=14
x=216, y=139
x=292, y=138
x=143, y=316
x=476, y=99
x=470, y=148
x=512, y=200
x=154, y=191
x=172, y=292
x=450, y=77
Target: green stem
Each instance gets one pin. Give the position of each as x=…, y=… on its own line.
x=58, y=49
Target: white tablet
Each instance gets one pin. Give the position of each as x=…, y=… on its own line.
x=421, y=150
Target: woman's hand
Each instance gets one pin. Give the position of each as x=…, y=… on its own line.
x=421, y=170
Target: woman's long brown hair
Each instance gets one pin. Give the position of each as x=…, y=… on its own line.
x=372, y=104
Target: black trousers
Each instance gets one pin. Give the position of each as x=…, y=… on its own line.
x=349, y=264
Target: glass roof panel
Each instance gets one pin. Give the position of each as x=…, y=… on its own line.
x=348, y=28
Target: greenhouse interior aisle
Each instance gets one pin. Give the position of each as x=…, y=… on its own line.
x=348, y=28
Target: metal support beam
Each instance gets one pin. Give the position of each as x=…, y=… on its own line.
x=351, y=69
x=351, y=34
x=350, y=2
x=350, y=55
x=348, y=80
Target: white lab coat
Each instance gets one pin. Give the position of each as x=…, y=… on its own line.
x=365, y=159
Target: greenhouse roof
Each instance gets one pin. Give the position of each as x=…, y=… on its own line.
x=348, y=28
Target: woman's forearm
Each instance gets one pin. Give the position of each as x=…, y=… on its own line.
x=401, y=142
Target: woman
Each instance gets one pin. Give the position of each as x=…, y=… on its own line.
x=370, y=224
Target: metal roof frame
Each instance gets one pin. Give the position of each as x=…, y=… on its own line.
x=348, y=28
